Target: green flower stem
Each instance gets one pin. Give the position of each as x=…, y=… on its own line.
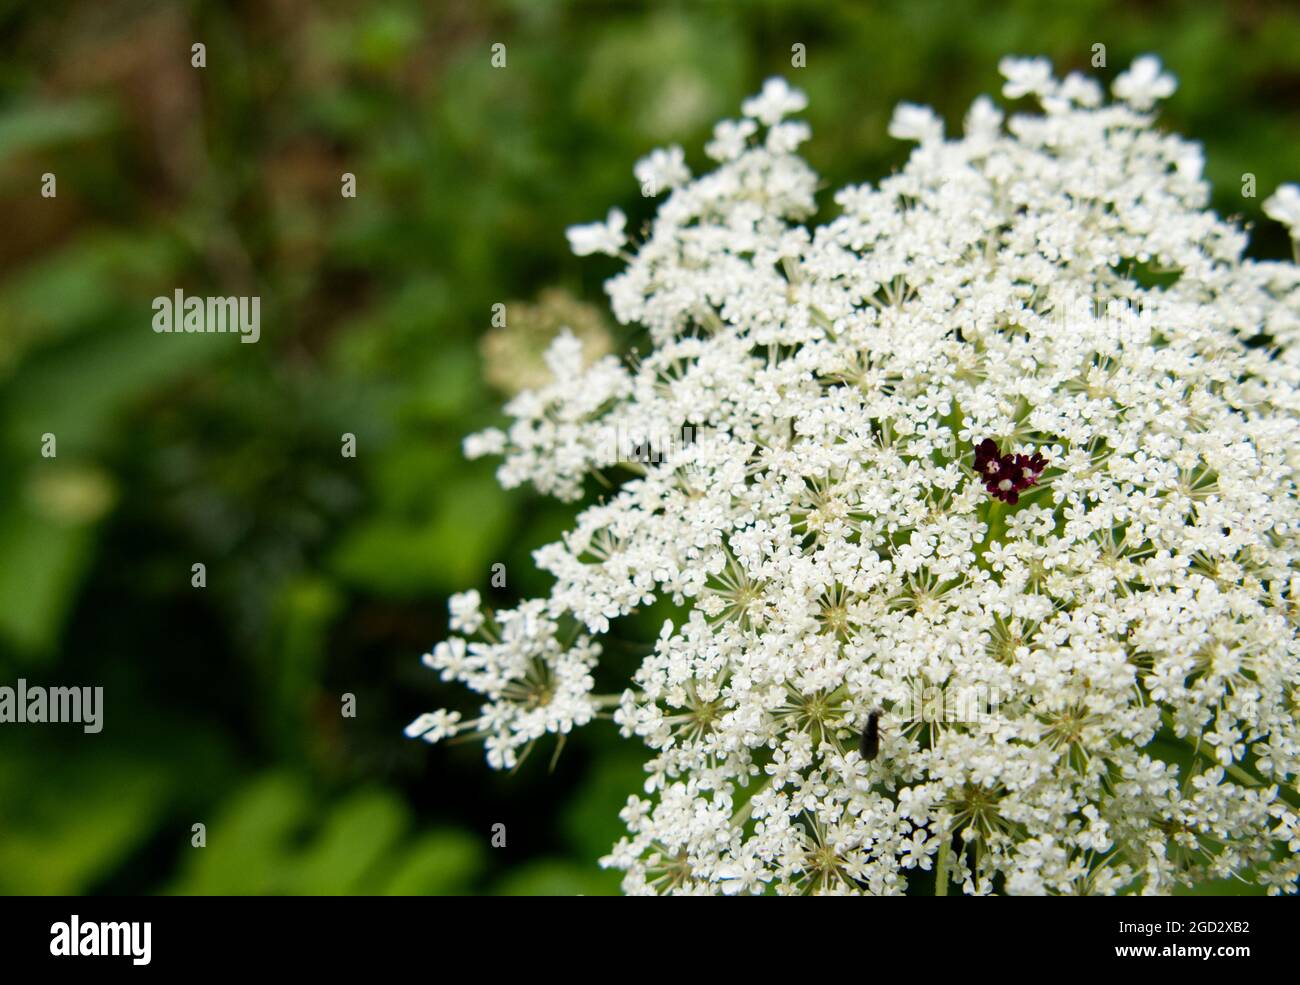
x=995, y=518
x=945, y=861
x=742, y=815
x=1234, y=770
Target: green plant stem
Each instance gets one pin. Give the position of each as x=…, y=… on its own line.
x=996, y=521
x=1234, y=770
x=941, y=871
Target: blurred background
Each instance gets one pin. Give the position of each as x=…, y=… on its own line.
x=328, y=575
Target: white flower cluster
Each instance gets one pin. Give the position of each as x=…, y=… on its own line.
x=1120, y=563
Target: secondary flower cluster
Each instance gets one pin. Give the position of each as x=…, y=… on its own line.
x=1046, y=302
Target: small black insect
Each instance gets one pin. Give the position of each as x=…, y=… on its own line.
x=869, y=744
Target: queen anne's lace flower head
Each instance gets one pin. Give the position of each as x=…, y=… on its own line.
x=1020, y=422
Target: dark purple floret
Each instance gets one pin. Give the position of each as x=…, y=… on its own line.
x=986, y=454
x=1007, y=476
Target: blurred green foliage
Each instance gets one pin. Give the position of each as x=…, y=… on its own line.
x=328, y=575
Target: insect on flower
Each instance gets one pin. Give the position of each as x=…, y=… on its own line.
x=869, y=744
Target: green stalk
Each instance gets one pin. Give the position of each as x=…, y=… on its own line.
x=945, y=861
x=996, y=521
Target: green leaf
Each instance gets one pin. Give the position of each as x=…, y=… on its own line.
x=554, y=877
x=43, y=563
x=35, y=126
x=452, y=547
x=437, y=863
x=250, y=840
x=70, y=821
x=357, y=834
x=590, y=821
